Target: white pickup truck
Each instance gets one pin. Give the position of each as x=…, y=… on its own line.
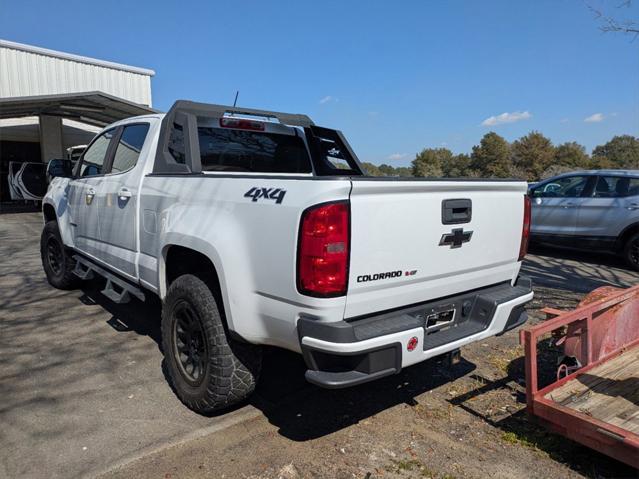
x=261, y=228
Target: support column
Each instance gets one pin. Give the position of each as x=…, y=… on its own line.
x=50, y=137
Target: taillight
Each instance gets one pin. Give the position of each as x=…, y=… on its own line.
x=322, y=261
x=241, y=124
x=525, y=232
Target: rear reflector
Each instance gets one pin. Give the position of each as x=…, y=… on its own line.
x=241, y=124
x=322, y=261
x=525, y=232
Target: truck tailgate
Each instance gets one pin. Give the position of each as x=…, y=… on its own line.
x=402, y=253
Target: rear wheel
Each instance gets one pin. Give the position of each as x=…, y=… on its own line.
x=631, y=251
x=57, y=263
x=207, y=369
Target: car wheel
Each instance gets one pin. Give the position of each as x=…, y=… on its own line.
x=207, y=369
x=631, y=251
x=57, y=263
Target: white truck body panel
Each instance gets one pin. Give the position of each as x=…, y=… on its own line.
x=396, y=225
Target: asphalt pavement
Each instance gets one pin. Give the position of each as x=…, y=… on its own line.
x=81, y=381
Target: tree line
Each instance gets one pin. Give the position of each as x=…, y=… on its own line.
x=532, y=157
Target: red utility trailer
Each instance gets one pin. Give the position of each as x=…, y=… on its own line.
x=595, y=397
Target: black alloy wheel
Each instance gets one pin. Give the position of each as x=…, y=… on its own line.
x=190, y=346
x=55, y=255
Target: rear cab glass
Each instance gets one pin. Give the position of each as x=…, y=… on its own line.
x=268, y=148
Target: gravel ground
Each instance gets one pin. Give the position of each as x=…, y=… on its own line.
x=430, y=421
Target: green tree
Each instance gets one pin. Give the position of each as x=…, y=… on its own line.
x=404, y=171
x=371, y=169
x=457, y=167
x=533, y=154
x=491, y=157
x=571, y=155
x=387, y=170
x=620, y=152
x=429, y=161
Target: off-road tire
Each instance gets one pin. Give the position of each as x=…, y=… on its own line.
x=57, y=262
x=631, y=251
x=230, y=370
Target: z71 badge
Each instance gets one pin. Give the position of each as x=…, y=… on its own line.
x=257, y=193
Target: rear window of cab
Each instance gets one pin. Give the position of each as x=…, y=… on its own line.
x=225, y=149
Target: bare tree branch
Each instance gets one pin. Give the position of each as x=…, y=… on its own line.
x=610, y=24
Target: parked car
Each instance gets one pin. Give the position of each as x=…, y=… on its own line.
x=595, y=210
x=261, y=228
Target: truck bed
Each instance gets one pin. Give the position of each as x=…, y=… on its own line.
x=609, y=392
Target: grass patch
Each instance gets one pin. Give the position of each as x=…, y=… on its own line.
x=538, y=440
x=502, y=361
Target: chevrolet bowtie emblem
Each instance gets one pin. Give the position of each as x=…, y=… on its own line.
x=455, y=238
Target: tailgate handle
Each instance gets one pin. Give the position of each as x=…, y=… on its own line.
x=457, y=211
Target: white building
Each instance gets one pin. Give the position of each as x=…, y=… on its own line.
x=50, y=101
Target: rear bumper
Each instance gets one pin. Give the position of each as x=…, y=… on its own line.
x=346, y=353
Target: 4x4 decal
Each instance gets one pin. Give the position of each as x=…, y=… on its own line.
x=256, y=193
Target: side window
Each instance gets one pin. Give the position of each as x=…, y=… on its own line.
x=616, y=187
x=129, y=147
x=566, y=187
x=94, y=156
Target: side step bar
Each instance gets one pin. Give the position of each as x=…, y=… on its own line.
x=116, y=289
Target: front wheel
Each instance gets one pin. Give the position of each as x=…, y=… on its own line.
x=207, y=369
x=631, y=251
x=57, y=263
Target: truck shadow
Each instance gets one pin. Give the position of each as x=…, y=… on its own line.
x=302, y=411
x=141, y=317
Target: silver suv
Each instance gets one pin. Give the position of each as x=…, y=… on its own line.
x=589, y=210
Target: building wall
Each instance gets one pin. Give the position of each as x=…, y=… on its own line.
x=32, y=71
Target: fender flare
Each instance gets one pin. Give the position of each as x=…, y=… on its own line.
x=204, y=248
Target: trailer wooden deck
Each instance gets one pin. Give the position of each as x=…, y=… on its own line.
x=595, y=403
x=608, y=392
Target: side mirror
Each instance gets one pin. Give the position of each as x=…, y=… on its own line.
x=59, y=167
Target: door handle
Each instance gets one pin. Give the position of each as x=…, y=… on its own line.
x=632, y=206
x=568, y=205
x=124, y=194
x=90, y=194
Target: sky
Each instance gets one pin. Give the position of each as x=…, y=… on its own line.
x=395, y=77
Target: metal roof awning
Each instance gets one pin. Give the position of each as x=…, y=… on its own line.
x=95, y=108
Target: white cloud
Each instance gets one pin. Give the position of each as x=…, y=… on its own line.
x=326, y=99
x=396, y=156
x=594, y=118
x=506, y=118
